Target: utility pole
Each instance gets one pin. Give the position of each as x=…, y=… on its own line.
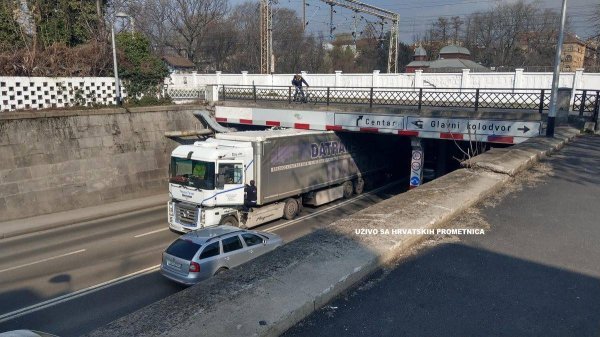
x=331, y=21
x=556, y=76
x=266, y=38
x=303, y=15
x=355, y=27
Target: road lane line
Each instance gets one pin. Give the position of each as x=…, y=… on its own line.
x=321, y=211
x=153, y=232
x=67, y=297
x=43, y=260
x=125, y=278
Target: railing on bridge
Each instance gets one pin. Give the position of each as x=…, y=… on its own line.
x=587, y=102
x=520, y=99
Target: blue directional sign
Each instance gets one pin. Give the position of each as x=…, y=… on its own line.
x=415, y=181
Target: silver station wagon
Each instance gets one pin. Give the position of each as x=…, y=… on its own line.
x=200, y=254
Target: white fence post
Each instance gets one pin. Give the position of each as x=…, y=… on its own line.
x=577, y=79
x=195, y=79
x=245, y=77
x=375, y=78
x=465, y=80
x=517, y=81
x=212, y=93
x=419, y=78
x=218, y=77
x=338, y=78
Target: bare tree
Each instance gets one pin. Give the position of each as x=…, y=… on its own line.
x=152, y=19
x=456, y=23
x=594, y=19
x=189, y=20
x=247, y=56
x=221, y=43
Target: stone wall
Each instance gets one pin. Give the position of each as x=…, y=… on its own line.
x=59, y=160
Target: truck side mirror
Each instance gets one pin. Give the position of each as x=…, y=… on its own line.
x=220, y=181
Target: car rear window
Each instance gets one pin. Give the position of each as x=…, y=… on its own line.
x=210, y=251
x=183, y=249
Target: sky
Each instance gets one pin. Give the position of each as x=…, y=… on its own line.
x=416, y=16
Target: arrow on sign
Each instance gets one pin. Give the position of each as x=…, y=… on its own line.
x=358, y=119
x=524, y=129
x=418, y=124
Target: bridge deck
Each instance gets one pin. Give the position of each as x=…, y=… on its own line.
x=506, y=126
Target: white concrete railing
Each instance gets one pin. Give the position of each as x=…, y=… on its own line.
x=26, y=93
x=515, y=80
x=32, y=93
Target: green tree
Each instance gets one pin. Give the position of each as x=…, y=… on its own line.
x=141, y=71
x=10, y=33
x=70, y=22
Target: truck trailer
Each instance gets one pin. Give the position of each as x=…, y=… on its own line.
x=289, y=168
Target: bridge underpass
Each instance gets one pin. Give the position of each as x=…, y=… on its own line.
x=443, y=126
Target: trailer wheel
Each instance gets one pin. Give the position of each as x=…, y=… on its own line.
x=348, y=189
x=229, y=221
x=359, y=186
x=290, y=209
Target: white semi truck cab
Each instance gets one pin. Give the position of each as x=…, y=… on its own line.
x=290, y=168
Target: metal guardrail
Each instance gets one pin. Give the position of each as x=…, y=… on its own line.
x=520, y=99
x=587, y=102
x=185, y=93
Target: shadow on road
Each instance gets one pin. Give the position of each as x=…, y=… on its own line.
x=457, y=290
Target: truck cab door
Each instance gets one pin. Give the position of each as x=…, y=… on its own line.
x=230, y=183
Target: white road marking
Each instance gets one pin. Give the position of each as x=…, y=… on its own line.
x=312, y=215
x=67, y=297
x=43, y=260
x=153, y=232
x=89, y=290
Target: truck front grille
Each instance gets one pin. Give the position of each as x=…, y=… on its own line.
x=186, y=214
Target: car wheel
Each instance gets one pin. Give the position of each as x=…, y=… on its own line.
x=359, y=186
x=229, y=221
x=348, y=189
x=290, y=209
x=220, y=270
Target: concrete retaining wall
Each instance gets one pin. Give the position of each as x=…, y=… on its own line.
x=59, y=160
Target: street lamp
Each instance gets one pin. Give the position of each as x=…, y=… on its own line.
x=556, y=76
x=118, y=97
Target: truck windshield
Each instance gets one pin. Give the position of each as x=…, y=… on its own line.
x=194, y=173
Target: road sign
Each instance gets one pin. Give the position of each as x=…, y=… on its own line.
x=474, y=126
x=370, y=121
x=416, y=166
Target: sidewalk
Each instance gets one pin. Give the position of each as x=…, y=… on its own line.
x=49, y=221
x=534, y=273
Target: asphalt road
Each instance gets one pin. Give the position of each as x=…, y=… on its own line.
x=534, y=273
x=71, y=280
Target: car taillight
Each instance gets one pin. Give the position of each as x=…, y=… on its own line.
x=194, y=267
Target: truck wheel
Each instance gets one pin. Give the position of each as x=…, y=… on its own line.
x=348, y=189
x=229, y=221
x=290, y=209
x=359, y=186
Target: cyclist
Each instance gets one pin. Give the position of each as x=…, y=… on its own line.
x=297, y=82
